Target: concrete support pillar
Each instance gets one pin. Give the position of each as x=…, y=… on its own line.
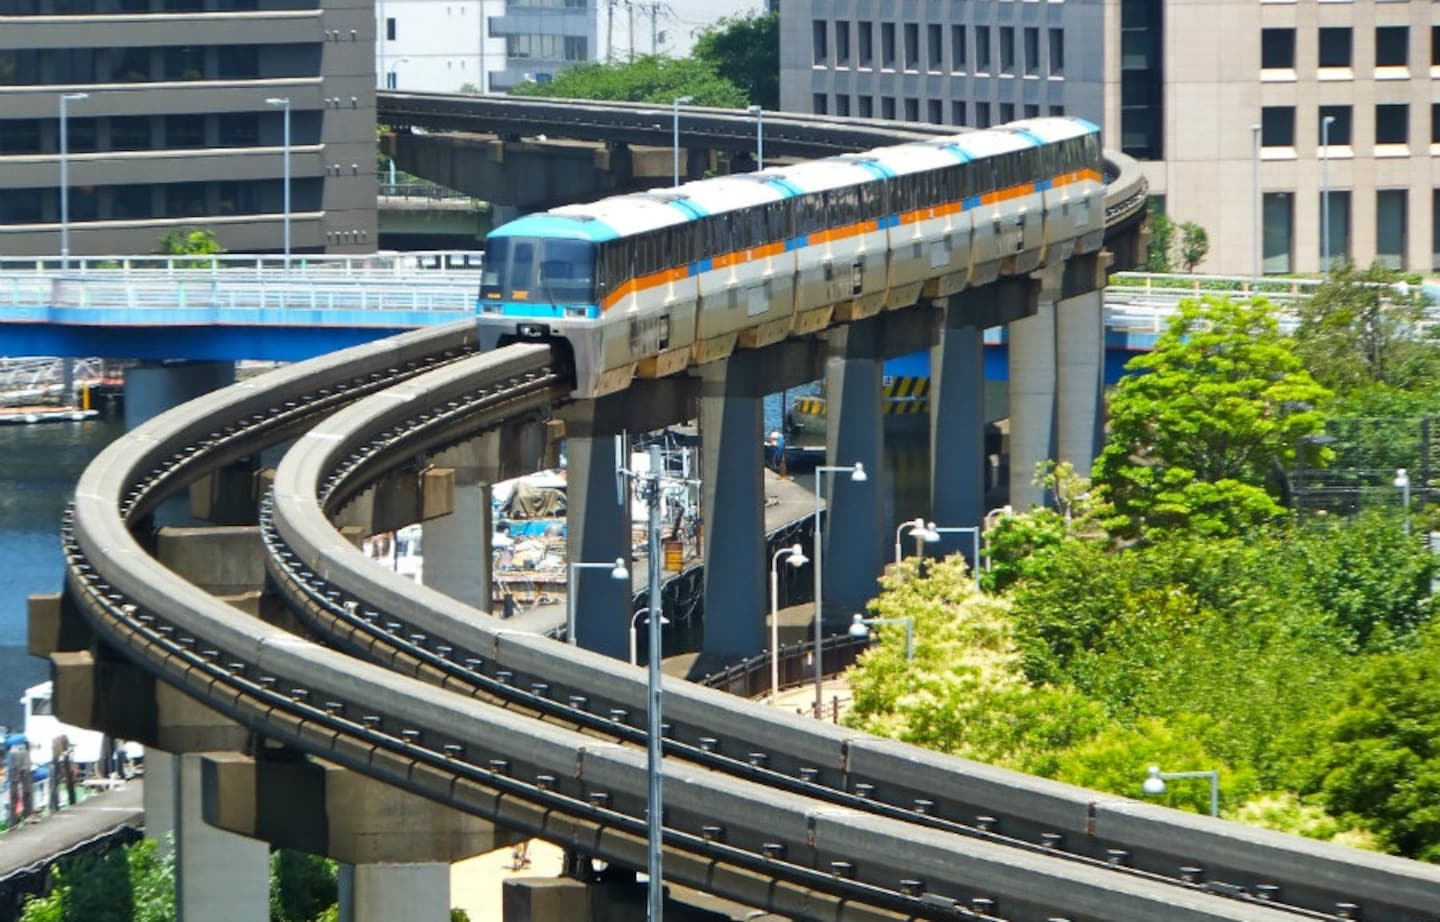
x=385, y=892
x=957, y=426
x=854, y=552
x=597, y=527
x=732, y=422
x=218, y=875
x=152, y=388
x=1032, y=402
x=457, y=546
x=1080, y=379
x=162, y=783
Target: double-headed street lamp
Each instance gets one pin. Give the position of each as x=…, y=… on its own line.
x=284, y=101
x=857, y=475
x=618, y=572
x=796, y=558
x=759, y=114
x=1155, y=784
x=860, y=627
x=65, y=100
x=923, y=531
x=635, y=619
x=675, y=113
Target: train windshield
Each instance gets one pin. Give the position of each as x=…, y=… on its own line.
x=543, y=271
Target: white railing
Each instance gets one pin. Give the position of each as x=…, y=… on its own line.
x=368, y=266
x=1142, y=302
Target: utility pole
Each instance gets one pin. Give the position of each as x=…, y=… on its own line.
x=630, y=6
x=654, y=35
x=610, y=30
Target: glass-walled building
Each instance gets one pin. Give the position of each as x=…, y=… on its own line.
x=174, y=118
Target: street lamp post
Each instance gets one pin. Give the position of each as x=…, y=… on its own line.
x=1402, y=481
x=1325, y=124
x=284, y=101
x=925, y=533
x=1258, y=203
x=759, y=114
x=857, y=475
x=1155, y=784
x=796, y=558
x=635, y=634
x=617, y=570
x=675, y=146
x=65, y=100
x=974, y=532
x=860, y=627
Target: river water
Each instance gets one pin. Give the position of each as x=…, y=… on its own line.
x=39, y=465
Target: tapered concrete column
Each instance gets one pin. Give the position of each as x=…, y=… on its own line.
x=732, y=425
x=957, y=426
x=1032, y=402
x=387, y=892
x=218, y=875
x=457, y=546
x=162, y=782
x=854, y=552
x=152, y=388
x=1080, y=379
x=597, y=527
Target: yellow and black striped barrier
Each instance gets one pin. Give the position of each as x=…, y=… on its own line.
x=902, y=396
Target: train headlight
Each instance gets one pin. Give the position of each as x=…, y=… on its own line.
x=576, y=312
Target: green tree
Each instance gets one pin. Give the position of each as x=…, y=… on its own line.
x=1205, y=421
x=186, y=242
x=746, y=51
x=1376, y=761
x=302, y=885
x=1364, y=328
x=651, y=79
x=1162, y=238
x=1194, y=245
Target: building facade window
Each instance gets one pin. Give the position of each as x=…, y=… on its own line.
x=1032, y=52
x=1277, y=49
x=1435, y=123
x=935, y=46
x=1277, y=126
x=982, y=115
x=842, y=105
x=1339, y=129
x=887, y=107
x=842, y=44
x=866, y=106
x=1392, y=46
x=982, y=49
x=390, y=29
x=957, y=112
x=936, y=113
x=1390, y=220
x=819, y=104
x=1032, y=110
x=1057, y=52
x=912, y=109
x=887, y=45
x=1339, y=225
x=912, y=46
x=1007, y=50
x=1335, y=45
x=865, y=41
x=1007, y=112
x=1435, y=230
x=958, y=57
x=1279, y=234
x=820, y=42
x=1392, y=123
x=1142, y=88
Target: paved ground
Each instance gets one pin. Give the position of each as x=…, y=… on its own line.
x=39, y=840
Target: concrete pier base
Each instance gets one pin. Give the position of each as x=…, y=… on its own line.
x=1080, y=379
x=457, y=546
x=957, y=427
x=598, y=529
x=218, y=874
x=390, y=892
x=1032, y=403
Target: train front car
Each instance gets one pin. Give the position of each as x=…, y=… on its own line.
x=541, y=282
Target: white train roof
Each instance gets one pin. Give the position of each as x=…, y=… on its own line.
x=1053, y=128
x=727, y=193
x=912, y=158
x=830, y=173
x=626, y=214
x=985, y=143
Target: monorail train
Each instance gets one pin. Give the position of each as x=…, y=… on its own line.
x=650, y=283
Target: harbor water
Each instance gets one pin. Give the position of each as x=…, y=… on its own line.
x=39, y=465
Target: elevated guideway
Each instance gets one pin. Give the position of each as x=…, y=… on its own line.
x=426, y=695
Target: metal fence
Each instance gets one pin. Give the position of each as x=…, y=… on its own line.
x=1356, y=463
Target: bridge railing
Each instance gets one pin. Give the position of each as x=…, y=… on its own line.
x=269, y=265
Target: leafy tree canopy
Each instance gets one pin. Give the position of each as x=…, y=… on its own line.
x=186, y=242
x=651, y=79
x=746, y=51
x=1205, y=420
x=1363, y=328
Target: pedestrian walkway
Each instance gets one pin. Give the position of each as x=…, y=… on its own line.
x=37, y=841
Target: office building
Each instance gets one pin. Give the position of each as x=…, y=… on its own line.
x=175, y=119
x=1228, y=104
